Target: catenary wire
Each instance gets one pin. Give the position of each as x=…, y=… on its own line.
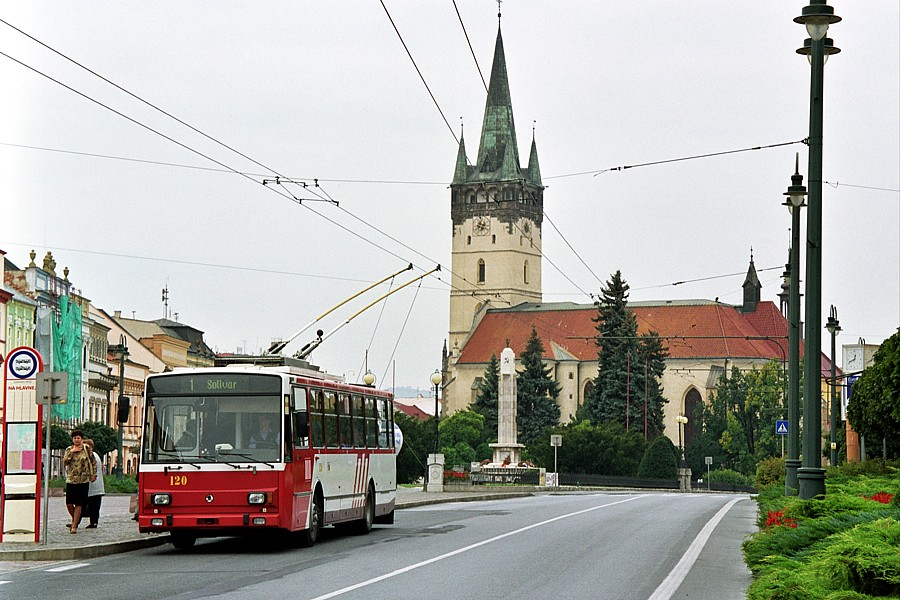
x=469, y=42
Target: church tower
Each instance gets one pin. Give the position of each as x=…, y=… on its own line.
x=497, y=210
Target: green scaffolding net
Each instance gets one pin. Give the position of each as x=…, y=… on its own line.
x=67, y=345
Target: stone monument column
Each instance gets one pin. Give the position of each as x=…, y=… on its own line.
x=507, y=450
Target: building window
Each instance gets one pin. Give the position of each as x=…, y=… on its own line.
x=494, y=239
x=525, y=279
x=481, y=270
x=468, y=240
x=571, y=375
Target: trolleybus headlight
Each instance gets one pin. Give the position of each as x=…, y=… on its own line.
x=156, y=522
x=161, y=499
x=256, y=498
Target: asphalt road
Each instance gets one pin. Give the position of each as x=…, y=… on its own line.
x=586, y=545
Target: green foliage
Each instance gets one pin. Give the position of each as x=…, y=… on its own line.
x=458, y=454
x=874, y=407
x=127, y=485
x=487, y=398
x=623, y=359
x=464, y=426
x=418, y=442
x=536, y=393
x=844, y=545
x=770, y=471
x=737, y=425
x=606, y=449
x=59, y=437
x=730, y=477
x=660, y=461
x=105, y=437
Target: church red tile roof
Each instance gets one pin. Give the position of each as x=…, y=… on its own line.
x=693, y=328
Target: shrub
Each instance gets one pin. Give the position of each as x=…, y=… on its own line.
x=770, y=471
x=730, y=477
x=660, y=461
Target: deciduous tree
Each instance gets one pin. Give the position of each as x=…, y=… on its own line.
x=874, y=408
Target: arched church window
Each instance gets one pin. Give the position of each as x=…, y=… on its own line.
x=468, y=240
x=588, y=389
x=525, y=272
x=494, y=238
x=481, y=270
x=691, y=401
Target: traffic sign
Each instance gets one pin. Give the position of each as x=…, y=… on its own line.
x=781, y=427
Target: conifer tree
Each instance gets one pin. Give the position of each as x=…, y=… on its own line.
x=537, y=393
x=621, y=389
x=487, y=398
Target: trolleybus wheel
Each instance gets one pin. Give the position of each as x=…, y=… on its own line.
x=308, y=537
x=364, y=525
x=182, y=541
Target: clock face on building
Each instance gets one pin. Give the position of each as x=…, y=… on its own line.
x=481, y=225
x=854, y=358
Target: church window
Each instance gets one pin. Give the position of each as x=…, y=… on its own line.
x=691, y=400
x=571, y=375
x=494, y=239
x=481, y=270
x=471, y=198
x=525, y=276
x=468, y=240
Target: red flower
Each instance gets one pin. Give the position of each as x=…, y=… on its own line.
x=776, y=518
x=882, y=497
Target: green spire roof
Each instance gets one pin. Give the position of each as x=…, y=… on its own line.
x=461, y=173
x=534, y=169
x=498, y=153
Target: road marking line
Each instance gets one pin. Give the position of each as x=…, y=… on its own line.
x=369, y=582
x=67, y=567
x=673, y=581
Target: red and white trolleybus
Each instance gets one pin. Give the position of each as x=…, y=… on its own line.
x=263, y=448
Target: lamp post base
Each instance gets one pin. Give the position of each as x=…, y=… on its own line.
x=435, y=481
x=791, y=485
x=684, y=479
x=812, y=482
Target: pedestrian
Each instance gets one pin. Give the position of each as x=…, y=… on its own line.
x=96, y=489
x=81, y=470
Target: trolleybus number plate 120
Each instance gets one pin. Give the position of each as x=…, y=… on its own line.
x=178, y=480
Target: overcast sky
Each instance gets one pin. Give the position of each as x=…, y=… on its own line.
x=326, y=90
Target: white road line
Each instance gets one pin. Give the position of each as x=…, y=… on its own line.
x=466, y=549
x=2, y=582
x=67, y=567
x=673, y=581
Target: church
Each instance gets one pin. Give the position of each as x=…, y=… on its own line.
x=496, y=206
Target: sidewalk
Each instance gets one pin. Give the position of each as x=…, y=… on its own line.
x=117, y=532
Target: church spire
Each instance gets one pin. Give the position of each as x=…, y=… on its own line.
x=461, y=172
x=534, y=169
x=498, y=153
x=752, y=288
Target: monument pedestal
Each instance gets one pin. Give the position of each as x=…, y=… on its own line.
x=435, y=481
x=502, y=452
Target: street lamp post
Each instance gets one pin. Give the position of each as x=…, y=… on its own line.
x=811, y=476
x=834, y=328
x=682, y=421
x=795, y=193
x=436, y=379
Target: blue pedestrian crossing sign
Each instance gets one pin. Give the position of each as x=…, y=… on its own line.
x=781, y=427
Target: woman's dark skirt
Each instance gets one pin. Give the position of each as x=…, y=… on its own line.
x=77, y=493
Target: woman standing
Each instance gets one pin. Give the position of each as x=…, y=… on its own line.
x=96, y=489
x=80, y=472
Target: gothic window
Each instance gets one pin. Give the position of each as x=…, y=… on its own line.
x=468, y=240
x=691, y=400
x=481, y=270
x=525, y=272
x=588, y=388
x=494, y=239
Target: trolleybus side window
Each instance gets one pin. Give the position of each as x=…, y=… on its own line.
x=332, y=439
x=300, y=417
x=344, y=421
x=371, y=423
x=359, y=422
x=385, y=435
x=317, y=415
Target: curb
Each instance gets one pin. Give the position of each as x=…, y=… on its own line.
x=79, y=552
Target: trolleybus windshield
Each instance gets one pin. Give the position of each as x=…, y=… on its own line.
x=198, y=419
